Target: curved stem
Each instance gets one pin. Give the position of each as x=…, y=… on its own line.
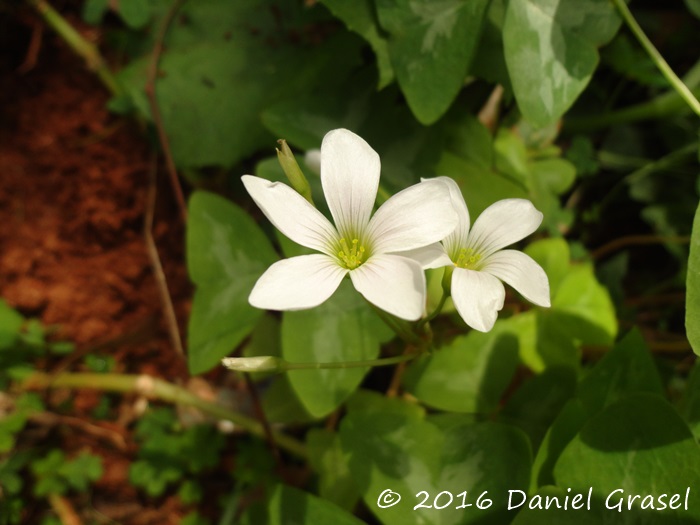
x=79, y=44
x=435, y=312
x=157, y=388
x=656, y=57
x=386, y=361
x=400, y=327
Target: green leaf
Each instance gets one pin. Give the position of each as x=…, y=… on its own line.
x=472, y=141
x=694, y=7
x=567, y=424
x=539, y=513
x=135, y=13
x=281, y=403
x=288, y=506
x=553, y=256
x=344, y=328
x=627, y=368
x=226, y=62
x=153, y=478
x=226, y=253
x=468, y=375
x=328, y=459
x=56, y=475
x=82, y=470
x=489, y=60
x=378, y=117
x=482, y=187
x=584, y=308
x=94, y=10
x=431, y=46
x=537, y=403
x=10, y=325
x=690, y=406
x=692, y=301
x=638, y=444
x=582, y=154
x=359, y=16
x=408, y=454
x=369, y=401
x=551, y=50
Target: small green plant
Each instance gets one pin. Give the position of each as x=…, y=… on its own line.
x=171, y=454
x=56, y=474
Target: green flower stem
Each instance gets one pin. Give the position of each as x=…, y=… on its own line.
x=75, y=40
x=400, y=327
x=158, y=389
x=435, y=312
x=656, y=57
x=663, y=106
x=367, y=363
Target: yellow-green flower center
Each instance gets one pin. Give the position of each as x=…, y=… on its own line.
x=467, y=258
x=351, y=255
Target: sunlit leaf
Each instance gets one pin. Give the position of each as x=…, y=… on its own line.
x=551, y=50
x=226, y=253
x=692, y=304
x=408, y=454
x=640, y=445
x=287, y=505
x=468, y=375
x=431, y=45
x=344, y=328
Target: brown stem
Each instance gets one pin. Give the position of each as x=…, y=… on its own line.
x=150, y=89
x=64, y=509
x=161, y=281
x=260, y=413
x=154, y=388
x=637, y=240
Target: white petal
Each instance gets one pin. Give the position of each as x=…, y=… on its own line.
x=350, y=178
x=431, y=256
x=297, y=283
x=393, y=283
x=292, y=214
x=502, y=224
x=478, y=297
x=415, y=217
x=458, y=238
x=522, y=273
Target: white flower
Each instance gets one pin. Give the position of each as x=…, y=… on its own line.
x=479, y=260
x=363, y=247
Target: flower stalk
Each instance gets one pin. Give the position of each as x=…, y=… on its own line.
x=77, y=43
x=656, y=57
x=248, y=364
x=154, y=388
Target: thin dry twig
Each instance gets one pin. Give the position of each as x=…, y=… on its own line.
x=30, y=59
x=150, y=89
x=51, y=419
x=395, y=383
x=260, y=414
x=161, y=281
x=64, y=509
x=637, y=240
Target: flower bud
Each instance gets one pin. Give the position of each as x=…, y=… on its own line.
x=265, y=363
x=293, y=171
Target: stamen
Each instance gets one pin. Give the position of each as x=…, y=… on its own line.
x=467, y=258
x=351, y=256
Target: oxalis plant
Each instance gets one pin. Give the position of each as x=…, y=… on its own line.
x=385, y=254
x=456, y=341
